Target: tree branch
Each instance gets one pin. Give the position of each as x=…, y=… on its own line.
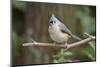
x=68, y=46
x=91, y=38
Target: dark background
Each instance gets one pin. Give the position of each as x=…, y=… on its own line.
x=30, y=22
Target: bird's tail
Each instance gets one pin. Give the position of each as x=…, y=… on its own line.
x=76, y=37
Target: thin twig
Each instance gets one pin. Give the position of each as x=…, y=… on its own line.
x=68, y=46
x=92, y=38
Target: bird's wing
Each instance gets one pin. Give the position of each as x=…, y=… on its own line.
x=64, y=29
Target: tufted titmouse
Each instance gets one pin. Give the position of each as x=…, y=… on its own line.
x=58, y=31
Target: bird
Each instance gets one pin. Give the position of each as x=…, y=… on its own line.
x=58, y=32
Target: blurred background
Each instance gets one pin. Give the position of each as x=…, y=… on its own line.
x=30, y=22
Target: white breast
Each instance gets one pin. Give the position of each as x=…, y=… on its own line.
x=56, y=35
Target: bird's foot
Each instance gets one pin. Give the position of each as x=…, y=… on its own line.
x=65, y=45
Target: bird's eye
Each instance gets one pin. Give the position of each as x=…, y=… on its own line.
x=51, y=21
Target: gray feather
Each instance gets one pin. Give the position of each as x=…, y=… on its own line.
x=64, y=29
x=76, y=37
